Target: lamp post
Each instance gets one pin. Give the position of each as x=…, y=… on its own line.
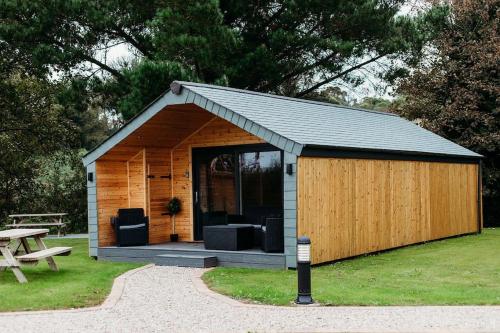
x=304, y=271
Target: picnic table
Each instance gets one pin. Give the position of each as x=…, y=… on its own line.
x=19, y=221
x=13, y=239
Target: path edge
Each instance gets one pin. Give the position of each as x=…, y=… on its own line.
x=114, y=296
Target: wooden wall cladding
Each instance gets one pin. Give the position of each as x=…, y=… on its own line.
x=158, y=192
x=122, y=184
x=355, y=206
x=112, y=194
x=122, y=178
x=136, y=171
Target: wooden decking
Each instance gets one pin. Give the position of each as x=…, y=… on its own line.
x=254, y=258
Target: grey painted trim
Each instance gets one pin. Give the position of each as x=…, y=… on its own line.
x=92, y=211
x=136, y=122
x=224, y=258
x=290, y=210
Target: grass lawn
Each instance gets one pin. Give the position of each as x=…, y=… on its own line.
x=455, y=271
x=80, y=282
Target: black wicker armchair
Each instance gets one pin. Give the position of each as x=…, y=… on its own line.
x=131, y=227
x=272, y=235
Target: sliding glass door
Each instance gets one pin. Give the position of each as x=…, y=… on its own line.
x=236, y=180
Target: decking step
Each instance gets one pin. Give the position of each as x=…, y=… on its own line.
x=186, y=260
x=38, y=255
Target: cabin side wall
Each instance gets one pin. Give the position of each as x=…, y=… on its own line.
x=350, y=207
x=92, y=210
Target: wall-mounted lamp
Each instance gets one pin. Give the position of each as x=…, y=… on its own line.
x=90, y=176
x=289, y=169
x=186, y=173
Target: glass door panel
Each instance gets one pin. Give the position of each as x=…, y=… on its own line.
x=236, y=180
x=215, y=195
x=261, y=185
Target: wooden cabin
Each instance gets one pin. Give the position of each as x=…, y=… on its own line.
x=354, y=181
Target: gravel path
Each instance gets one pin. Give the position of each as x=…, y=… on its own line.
x=172, y=299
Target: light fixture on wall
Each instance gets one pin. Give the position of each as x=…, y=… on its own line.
x=186, y=173
x=289, y=168
x=90, y=177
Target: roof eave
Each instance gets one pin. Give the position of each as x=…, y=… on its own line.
x=339, y=151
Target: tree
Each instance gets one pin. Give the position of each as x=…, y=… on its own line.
x=375, y=103
x=288, y=47
x=31, y=126
x=40, y=140
x=454, y=90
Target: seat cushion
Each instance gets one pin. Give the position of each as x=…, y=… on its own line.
x=132, y=226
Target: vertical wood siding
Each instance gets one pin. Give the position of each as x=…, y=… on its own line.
x=112, y=194
x=136, y=172
x=158, y=194
x=354, y=206
x=123, y=184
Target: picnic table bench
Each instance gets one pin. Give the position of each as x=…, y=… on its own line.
x=12, y=240
x=19, y=221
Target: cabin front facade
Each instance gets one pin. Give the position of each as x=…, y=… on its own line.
x=354, y=181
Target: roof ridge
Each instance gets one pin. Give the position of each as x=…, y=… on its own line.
x=300, y=100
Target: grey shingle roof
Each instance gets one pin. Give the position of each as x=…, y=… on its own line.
x=322, y=124
x=293, y=124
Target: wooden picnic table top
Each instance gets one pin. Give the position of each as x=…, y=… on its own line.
x=38, y=215
x=11, y=234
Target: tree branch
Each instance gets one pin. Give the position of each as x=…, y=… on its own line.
x=102, y=65
x=94, y=61
x=121, y=33
x=347, y=71
x=301, y=70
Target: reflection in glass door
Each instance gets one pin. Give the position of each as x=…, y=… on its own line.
x=216, y=194
x=235, y=180
x=261, y=185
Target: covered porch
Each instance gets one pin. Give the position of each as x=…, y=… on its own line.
x=221, y=173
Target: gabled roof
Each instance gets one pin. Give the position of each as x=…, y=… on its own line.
x=294, y=124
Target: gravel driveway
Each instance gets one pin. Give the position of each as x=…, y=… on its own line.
x=172, y=299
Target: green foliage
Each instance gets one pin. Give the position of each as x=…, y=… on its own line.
x=60, y=186
x=43, y=124
x=80, y=282
x=454, y=90
x=31, y=126
x=289, y=47
x=428, y=274
x=375, y=103
x=78, y=106
x=333, y=95
x=174, y=206
x=145, y=82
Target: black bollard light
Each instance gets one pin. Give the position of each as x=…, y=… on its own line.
x=304, y=271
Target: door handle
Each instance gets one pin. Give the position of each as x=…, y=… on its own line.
x=195, y=196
